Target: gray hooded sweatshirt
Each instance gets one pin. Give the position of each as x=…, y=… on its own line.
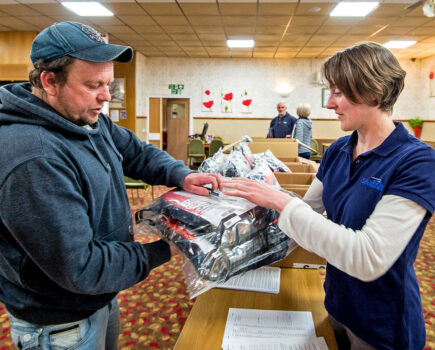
x=66, y=238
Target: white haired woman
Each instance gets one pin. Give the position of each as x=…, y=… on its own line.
x=303, y=130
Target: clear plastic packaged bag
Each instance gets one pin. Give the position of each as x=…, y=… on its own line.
x=220, y=236
x=246, y=138
x=246, y=151
x=240, y=162
x=262, y=172
x=213, y=164
x=235, y=165
x=274, y=163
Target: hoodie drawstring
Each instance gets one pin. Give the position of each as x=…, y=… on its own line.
x=100, y=156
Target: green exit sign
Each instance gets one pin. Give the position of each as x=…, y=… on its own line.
x=176, y=89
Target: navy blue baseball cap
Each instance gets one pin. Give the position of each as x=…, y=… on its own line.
x=76, y=40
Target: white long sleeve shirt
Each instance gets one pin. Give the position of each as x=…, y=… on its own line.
x=365, y=254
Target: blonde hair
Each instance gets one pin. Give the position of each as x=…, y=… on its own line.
x=366, y=73
x=303, y=110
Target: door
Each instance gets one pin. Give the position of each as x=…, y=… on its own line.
x=155, y=122
x=177, y=125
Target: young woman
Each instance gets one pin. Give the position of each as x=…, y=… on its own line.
x=377, y=189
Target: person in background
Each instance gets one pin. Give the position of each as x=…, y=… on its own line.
x=376, y=186
x=282, y=125
x=302, y=130
x=66, y=231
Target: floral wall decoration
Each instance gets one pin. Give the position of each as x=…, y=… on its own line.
x=246, y=101
x=226, y=101
x=207, y=100
x=431, y=83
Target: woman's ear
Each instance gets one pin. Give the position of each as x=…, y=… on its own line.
x=49, y=83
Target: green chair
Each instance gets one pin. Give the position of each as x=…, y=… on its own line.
x=215, y=144
x=135, y=186
x=196, y=150
x=318, y=156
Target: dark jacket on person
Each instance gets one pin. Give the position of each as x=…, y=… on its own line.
x=281, y=126
x=66, y=233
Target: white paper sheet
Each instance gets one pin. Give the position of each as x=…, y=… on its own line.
x=114, y=115
x=287, y=344
x=265, y=279
x=272, y=325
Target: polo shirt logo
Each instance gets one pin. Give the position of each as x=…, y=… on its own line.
x=373, y=183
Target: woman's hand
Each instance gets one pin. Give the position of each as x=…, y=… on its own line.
x=194, y=183
x=256, y=192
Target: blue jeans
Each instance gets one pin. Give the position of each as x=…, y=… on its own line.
x=305, y=155
x=100, y=331
x=346, y=340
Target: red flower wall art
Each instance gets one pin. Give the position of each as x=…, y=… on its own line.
x=226, y=101
x=207, y=101
x=432, y=82
x=246, y=101
x=208, y=104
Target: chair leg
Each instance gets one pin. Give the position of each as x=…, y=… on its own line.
x=132, y=195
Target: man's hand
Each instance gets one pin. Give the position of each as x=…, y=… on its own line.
x=194, y=183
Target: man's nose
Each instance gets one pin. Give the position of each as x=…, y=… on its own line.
x=104, y=94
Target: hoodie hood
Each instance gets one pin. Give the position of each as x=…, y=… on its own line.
x=19, y=106
x=307, y=123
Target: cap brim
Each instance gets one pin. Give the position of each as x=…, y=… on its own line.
x=105, y=53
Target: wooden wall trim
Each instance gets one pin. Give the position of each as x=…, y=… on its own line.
x=15, y=47
x=313, y=119
x=407, y=120
x=396, y=120
x=14, y=72
x=128, y=72
x=230, y=118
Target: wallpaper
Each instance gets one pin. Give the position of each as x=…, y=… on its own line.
x=231, y=83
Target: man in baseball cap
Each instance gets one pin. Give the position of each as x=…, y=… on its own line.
x=65, y=221
x=67, y=57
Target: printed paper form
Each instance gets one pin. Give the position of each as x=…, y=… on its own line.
x=266, y=279
x=272, y=325
x=288, y=344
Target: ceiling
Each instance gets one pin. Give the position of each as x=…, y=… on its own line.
x=199, y=28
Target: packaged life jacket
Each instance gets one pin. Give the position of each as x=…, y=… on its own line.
x=222, y=236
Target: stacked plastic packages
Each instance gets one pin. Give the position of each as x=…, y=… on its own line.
x=220, y=236
x=242, y=163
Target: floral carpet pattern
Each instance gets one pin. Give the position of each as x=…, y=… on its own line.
x=153, y=312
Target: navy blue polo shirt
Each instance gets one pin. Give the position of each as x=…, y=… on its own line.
x=386, y=312
x=282, y=126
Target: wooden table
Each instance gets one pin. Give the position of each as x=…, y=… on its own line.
x=300, y=290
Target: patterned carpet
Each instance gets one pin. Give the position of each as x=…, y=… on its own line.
x=153, y=312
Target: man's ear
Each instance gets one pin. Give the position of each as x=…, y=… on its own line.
x=49, y=83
